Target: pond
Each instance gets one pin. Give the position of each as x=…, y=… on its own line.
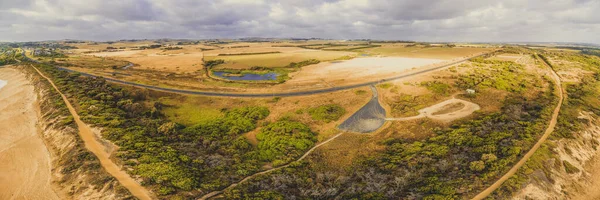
x=247, y=77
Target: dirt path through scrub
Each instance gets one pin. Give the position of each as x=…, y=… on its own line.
x=25, y=169
x=215, y=193
x=537, y=145
x=93, y=145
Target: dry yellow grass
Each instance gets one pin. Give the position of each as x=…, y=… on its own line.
x=425, y=52
x=279, y=59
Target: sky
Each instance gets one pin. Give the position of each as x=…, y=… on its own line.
x=418, y=20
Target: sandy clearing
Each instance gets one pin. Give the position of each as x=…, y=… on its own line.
x=430, y=111
x=97, y=148
x=25, y=170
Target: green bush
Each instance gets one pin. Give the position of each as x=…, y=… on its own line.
x=437, y=87
x=569, y=168
x=327, y=113
x=283, y=141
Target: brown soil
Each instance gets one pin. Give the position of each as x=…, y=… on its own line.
x=25, y=169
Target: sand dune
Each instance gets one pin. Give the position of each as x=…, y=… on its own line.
x=24, y=159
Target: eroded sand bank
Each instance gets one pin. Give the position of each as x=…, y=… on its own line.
x=24, y=160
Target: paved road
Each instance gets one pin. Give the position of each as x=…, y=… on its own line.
x=367, y=119
x=282, y=94
x=535, y=147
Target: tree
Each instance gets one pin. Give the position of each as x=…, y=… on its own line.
x=477, y=165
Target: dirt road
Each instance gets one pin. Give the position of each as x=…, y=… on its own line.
x=537, y=145
x=25, y=170
x=215, y=193
x=94, y=146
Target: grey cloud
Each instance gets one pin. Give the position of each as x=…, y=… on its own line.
x=428, y=20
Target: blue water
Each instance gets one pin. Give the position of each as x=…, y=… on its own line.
x=248, y=77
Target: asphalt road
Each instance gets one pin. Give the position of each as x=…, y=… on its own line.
x=368, y=119
x=281, y=94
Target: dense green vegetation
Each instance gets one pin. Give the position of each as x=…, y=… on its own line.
x=10, y=56
x=283, y=141
x=501, y=75
x=212, y=63
x=455, y=163
x=170, y=157
x=327, y=113
x=437, y=87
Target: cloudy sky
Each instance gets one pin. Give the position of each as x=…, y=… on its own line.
x=421, y=20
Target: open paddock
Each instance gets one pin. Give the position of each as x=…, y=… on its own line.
x=276, y=60
x=446, y=53
x=507, y=57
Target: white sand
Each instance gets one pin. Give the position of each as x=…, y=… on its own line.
x=24, y=160
x=375, y=65
x=2, y=83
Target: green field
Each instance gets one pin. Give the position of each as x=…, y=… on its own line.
x=189, y=112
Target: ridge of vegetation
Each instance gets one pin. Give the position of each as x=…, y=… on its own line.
x=174, y=160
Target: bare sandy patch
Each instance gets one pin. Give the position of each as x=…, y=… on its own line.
x=24, y=159
x=446, y=111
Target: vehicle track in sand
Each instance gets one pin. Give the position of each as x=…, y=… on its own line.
x=94, y=146
x=485, y=193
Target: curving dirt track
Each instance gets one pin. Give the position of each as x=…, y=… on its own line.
x=368, y=119
x=215, y=193
x=25, y=169
x=537, y=145
x=93, y=145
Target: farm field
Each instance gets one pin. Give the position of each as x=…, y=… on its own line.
x=183, y=66
x=278, y=59
x=401, y=50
